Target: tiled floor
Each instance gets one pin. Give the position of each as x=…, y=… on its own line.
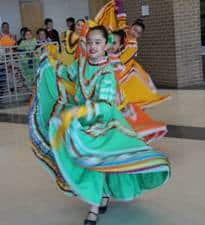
x=29, y=197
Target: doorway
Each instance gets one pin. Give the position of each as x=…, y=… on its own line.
x=31, y=14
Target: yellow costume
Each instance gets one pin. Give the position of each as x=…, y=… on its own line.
x=70, y=41
x=135, y=84
x=107, y=17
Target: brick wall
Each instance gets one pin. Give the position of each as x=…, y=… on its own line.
x=170, y=47
x=187, y=41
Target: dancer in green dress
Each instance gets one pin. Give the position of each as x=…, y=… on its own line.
x=83, y=139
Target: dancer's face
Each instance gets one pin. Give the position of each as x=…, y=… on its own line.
x=116, y=46
x=136, y=31
x=96, y=45
x=78, y=26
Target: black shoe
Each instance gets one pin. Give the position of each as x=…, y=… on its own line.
x=103, y=208
x=91, y=222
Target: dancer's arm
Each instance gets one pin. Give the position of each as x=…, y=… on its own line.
x=129, y=52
